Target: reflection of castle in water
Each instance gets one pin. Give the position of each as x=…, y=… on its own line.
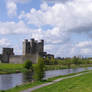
x=31, y=51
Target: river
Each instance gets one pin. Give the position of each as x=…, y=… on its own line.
x=8, y=81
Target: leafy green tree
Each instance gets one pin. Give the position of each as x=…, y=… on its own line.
x=28, y=64
x=39, y=70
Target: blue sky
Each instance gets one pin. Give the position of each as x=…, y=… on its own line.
x=65, y=25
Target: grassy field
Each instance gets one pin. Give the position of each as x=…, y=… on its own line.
x=81, y=83
x=11, y=68
x=30, y=85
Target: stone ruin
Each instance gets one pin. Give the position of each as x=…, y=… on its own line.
x=31, y=51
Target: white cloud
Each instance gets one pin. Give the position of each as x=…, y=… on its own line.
x=67, y=16
x=72, y=16
x=11, y=8
x=13, y=28
x=82, y=48
x=84, y=44
x=4, y=42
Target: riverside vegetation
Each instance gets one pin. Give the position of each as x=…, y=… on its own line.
x=50, y=64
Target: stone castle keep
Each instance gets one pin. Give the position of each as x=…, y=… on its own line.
x=31, y=51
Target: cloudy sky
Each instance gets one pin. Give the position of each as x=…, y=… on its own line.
x=65, y=25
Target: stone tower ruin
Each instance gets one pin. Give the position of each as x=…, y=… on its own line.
x=31, y=51
x=32, y=47
x=6, y=53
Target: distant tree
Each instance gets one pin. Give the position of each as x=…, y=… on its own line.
x=76, y=60
x=52, y=60
x=69, y=62
x=28, y=64
x=39, y=69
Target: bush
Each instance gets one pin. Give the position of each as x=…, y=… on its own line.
x=39, y=70
x=28, y=64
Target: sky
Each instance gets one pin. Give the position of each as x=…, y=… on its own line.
x=65, y=25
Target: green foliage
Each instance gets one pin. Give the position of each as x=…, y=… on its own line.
x=39, y=70
x=76, y=60
x=46, y=60
x=28, y=64
x=68, y=62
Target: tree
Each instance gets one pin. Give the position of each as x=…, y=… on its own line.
x=69, y=62
x=76, y=60
x=46, y=61
x=39, y=69
x=28, y=64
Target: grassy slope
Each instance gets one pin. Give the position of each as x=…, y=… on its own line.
x=78, y=84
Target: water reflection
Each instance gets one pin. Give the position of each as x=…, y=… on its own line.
x=27, y=77
x=11, y=80
x=54, y=73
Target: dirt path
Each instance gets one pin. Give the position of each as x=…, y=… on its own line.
x=46, y=84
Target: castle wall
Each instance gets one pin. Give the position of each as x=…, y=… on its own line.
x=16, y=59
x=5, y=58
x=19, y=59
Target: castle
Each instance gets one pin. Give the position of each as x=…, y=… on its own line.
x=31, y=51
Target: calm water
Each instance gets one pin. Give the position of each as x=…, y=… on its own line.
x=11, y=80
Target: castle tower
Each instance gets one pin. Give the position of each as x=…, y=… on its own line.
x=8, y=51
x=42, y=46
x=33, y=46
x=26, y=47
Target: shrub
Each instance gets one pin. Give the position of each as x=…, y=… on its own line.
x=28, y=64
x=39, y=70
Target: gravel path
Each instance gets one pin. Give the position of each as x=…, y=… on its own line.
x=46, y=84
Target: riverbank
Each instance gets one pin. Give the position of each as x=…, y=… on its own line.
x=58, y=67
x=18, y=68
x=11, y=68
x=30, y=85
x=81, y=83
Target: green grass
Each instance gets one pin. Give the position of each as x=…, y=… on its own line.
x=56, y=67
x=81, y=83
x=16, y=68
x=11, y=68
x=30, y=85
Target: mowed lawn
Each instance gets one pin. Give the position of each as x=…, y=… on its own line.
x=81, y=83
